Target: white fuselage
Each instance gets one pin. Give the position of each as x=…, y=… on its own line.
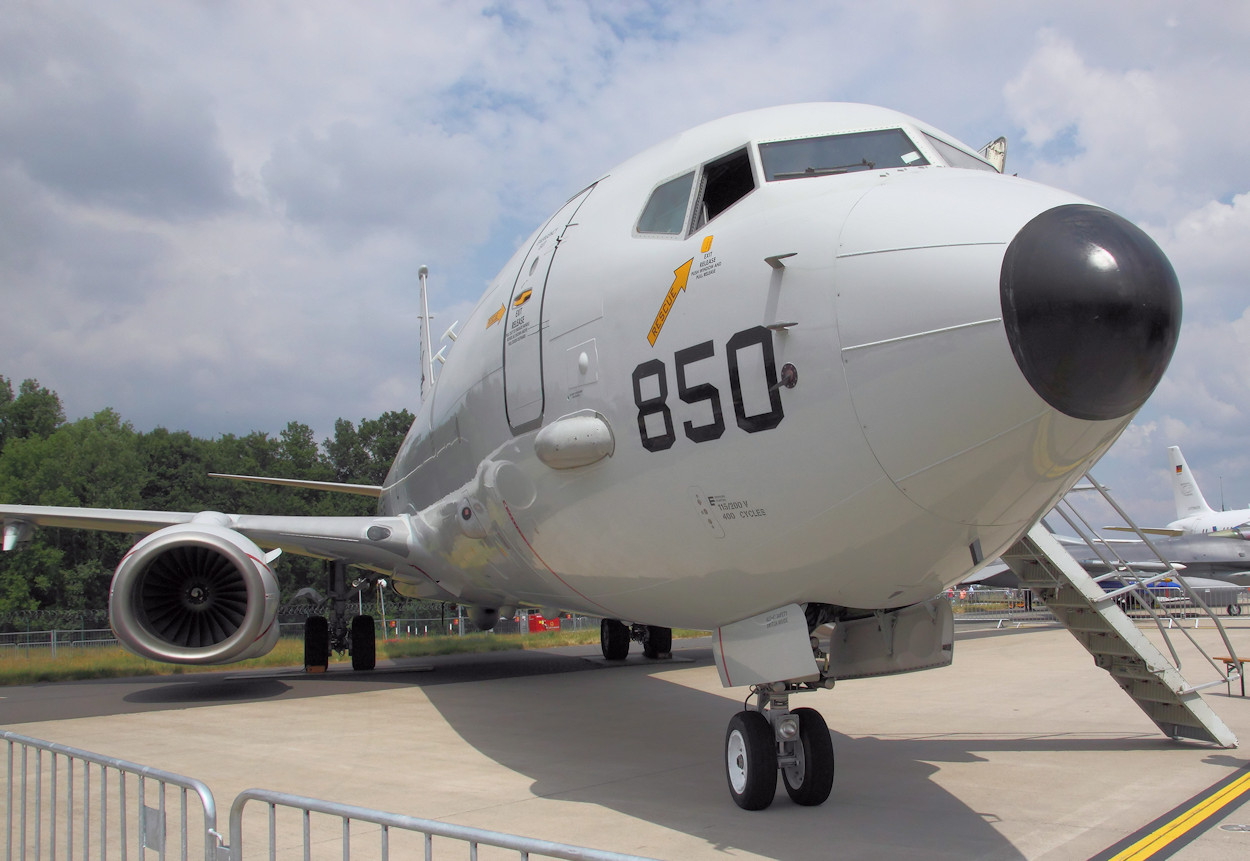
x=909, y=448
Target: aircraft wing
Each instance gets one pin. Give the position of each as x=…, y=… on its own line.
x=371, y=541
x=331, y=486
x=15, y=517
x=1114, y=565
x=1149, y=530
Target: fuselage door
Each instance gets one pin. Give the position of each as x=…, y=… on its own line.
x=522, y=351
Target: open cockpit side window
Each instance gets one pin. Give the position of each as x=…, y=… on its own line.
x=838, y=154
x=721, y=184
x=725, y=181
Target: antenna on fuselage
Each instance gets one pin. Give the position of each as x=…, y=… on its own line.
x=427, y=360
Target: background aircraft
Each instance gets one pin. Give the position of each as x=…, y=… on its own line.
x=1217, y=567
x=1206, y=562
x=1193, y=515
x=798, y=369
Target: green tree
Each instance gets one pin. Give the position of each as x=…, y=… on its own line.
x=364, y=455
x=176, y=470
x=6, y=403
x=299, y=454
x=93, y=462
x=103, y=462
x=36, y=411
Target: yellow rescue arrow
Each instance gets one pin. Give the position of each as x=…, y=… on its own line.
x=497, y=316
x=681, y=276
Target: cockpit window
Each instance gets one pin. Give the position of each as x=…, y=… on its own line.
x=722, y=183
x=665, y=212
x=836, y=154
x=956, y=157
x=725, y=181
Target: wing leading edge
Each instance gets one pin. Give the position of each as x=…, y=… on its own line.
x=371, y=541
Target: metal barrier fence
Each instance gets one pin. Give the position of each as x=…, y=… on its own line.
x=17, y=642
x=427, y=829
x=1000, y=607
x=56, y=640
x=47, y=798
x=54, y=809
x=1010, y=607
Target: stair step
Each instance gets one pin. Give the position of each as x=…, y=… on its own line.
x=1105, y=630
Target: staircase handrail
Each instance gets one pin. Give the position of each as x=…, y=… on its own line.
x=1127, y=574
x=1192, y=595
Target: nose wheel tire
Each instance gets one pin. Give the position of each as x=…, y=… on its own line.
x=810, y=780
x=751, y=760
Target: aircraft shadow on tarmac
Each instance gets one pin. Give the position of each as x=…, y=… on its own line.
x=208, y=691
x=580, y=740
x=577, y=736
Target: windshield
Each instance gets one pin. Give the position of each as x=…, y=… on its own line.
x=835, y=154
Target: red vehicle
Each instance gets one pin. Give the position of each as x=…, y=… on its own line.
x=538, y=623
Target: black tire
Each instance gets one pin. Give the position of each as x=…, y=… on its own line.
x=364, y=644
x=659, y=643
x=316, y=644
x=614, y=640
x=1234, y=609
x=751, y=760
x=811, y=780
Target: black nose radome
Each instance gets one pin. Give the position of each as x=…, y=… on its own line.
x=1092, y=309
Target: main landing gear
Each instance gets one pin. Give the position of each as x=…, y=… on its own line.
x=614, y=637
x=322, y=635
x=771, y=738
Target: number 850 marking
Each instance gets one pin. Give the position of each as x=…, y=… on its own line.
x=693, y=394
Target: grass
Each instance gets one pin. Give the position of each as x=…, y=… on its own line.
x=30, y=666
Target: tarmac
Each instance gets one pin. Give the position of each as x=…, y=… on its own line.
x=1021, y=749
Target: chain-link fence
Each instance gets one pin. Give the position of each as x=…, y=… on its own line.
x=65, y=641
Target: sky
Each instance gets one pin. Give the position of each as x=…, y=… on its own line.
x=212, y=213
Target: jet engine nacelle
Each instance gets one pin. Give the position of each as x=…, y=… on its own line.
x=484, y=618
x=195, y=593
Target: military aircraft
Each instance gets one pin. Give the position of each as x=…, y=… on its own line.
x=1216, y=567
x=1223, y=555
x=1193, y=515
x=785, y=377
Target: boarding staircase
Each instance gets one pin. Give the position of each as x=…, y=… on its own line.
x=1096, y=617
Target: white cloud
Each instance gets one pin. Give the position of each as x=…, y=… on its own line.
x=1123, y=133
x=213, y=213
x=1153, y=134
x=1210, y=249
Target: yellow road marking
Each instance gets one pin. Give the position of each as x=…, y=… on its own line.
x=1184, y=822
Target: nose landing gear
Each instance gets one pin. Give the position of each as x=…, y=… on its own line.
x=771, y=738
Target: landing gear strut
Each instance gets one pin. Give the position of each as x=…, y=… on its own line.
x=809, y=647
x=614, y=637
x=322, y=635
x=770, y=737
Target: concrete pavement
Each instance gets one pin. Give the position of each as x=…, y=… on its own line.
x=1022, y=749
